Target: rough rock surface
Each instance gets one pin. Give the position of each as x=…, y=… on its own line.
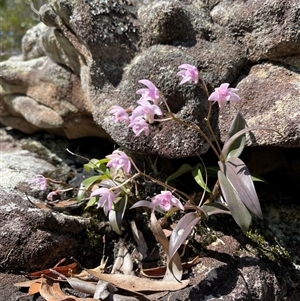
x=90, y=56
x=30, y=237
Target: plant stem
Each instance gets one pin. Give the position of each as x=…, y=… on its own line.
x=179, y=192
x=192, y=126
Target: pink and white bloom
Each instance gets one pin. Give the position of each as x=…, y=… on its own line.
x=119, y=113
x=106, y=198
x=139, y=125
x=146, y=110
x=52, y=195
x=189, y=73
x=119, y=159
x=165, y=200
x=224, y=94
x=150, y=93
x=40, y=180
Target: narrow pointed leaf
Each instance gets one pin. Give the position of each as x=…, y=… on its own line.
x=174, y=266
x=141, y=204
x=182, y=231
x=92, y=201
x=231, y=140
x=182, y=170
x=197, y=174
x=237, y=208
x=87, y=184
x=239, y=177
x=238, y=145
x=215, y=208
x=116, y=215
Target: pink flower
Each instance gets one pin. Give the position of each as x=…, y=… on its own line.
x=189, y=74
x=146, y=110
x=165, y=200
x=40, y=180
x=119, y=113
x=224, y=94
x=106, y=198
x=52, y=196
x=139, y=125
x=119, y=159
x=150, y=93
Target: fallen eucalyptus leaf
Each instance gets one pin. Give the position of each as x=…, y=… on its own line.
x=103, y=290
x=159, y=272
x=82, y=286
x=137, y=284
x=50, y=290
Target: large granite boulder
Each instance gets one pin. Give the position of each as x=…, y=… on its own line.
x=89, y=56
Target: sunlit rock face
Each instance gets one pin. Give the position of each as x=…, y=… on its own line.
x=89, y=55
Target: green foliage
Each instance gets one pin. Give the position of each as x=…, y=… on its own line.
x=16, y=17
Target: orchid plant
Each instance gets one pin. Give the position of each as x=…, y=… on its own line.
x=233, y=193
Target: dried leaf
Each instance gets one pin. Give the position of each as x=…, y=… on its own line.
x=50, y=290
x=84, y=275
x=82, y=286
x=27, y=283
x=159, y=272
x=65, y=270
x=34, y=288
x=103, y=290
x=136, y=284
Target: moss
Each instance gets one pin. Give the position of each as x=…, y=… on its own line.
x=271, y=250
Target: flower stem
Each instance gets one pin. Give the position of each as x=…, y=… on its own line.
x=179, y=192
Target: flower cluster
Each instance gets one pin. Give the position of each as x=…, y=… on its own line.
x=147, y=108
x=144, y=113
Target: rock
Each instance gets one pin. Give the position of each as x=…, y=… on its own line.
x=270, y=98
x=268, y=31
x=32, y=45
x=31, y=237
x=100, y=50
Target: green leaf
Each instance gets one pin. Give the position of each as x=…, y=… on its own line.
x=96, y=165
x=215, y=208
x=92, y=201
x=258, y=179
x=182, y=170
x=240, y=179
x=116, y=215
x=237, y=147
x=212, y=171
x=87, y=184
x=197, y=174
x=238, y=210
x=231, y=140
x=182, y=231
